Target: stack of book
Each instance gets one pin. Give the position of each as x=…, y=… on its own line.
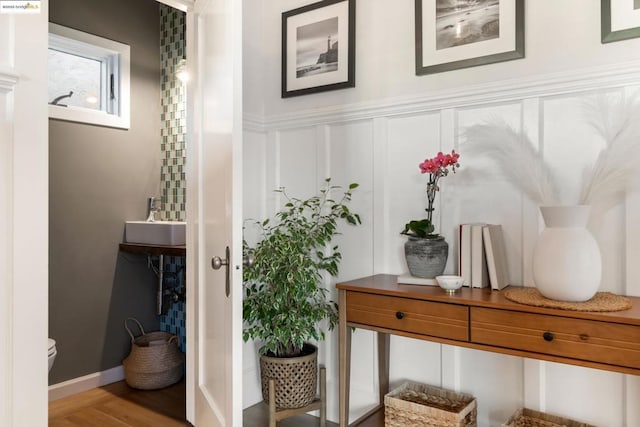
x=483, y=259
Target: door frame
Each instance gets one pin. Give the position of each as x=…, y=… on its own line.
x=24, y=220
x=199, y=408
x=187, y=6
x=193, y=230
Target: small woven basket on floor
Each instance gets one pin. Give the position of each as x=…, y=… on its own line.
x=155, y=361
x=525, y=417
x=419, y=405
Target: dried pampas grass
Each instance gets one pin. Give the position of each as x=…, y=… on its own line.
x=515, y=157
x=618, y=122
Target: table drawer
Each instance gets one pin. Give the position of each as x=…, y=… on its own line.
x=434, y=319
x=603, y=342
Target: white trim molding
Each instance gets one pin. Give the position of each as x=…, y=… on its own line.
x=115, y=61
x=8, y=81
x=85, y=383
x=584, y=80
x=6, y=247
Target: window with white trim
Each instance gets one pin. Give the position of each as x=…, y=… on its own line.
x=88, y=78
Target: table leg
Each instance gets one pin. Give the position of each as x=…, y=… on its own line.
x=344, y=359
x=383, y=365
x=272, y=403
x=323, y=397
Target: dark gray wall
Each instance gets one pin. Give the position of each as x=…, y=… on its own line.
x=99, y=178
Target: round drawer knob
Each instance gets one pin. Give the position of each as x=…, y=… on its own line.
x=399, y=315
x=548, y=336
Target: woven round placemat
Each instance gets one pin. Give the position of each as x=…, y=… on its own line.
x=602, y=301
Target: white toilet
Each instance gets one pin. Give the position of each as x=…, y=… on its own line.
x=52, y=352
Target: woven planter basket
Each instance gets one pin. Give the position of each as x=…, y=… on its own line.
x=155, y=361
x=418, y=405
x=295, y=378
x=525, y=417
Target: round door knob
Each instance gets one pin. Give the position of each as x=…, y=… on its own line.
x=248, y=261
x=548, y=336
x=217, y=262
x=399, y=315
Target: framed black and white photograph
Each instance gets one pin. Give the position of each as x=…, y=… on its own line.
x=318, y=47
x=454, y=34
x=620, y=20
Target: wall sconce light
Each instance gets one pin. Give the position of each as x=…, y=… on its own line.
x=182, y=72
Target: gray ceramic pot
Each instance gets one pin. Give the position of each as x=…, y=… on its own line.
x=426, y=258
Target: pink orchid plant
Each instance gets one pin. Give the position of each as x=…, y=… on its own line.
x=437, y=167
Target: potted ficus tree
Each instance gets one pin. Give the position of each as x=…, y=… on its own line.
x=285, y=304
x=426, y=251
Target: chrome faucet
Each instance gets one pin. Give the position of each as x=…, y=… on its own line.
x=151, y=209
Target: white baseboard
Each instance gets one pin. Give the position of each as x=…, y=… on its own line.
x=251, y=387
x=85, y=383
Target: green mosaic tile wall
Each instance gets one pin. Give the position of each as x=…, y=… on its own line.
x=172, y=170
x=174, y=121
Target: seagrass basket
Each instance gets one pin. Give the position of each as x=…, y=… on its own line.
x=155, y=361
x=419, y=405
x=525, y=417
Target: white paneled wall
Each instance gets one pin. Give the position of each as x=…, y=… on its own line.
x=380, y=149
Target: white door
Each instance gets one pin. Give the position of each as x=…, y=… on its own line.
x=214, y=213
x=24, y=247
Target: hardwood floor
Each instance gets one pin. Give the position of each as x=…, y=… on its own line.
x=258, y=416
x=117, y=405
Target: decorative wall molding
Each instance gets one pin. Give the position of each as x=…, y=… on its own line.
x=8, y=80
x=6, y=250
x=582, y=80
x=374, y=149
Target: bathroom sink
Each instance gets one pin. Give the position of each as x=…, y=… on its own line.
x=156, y=233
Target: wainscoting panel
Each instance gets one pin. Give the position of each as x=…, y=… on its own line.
x=476, y=374
x=350, y=155
x=254, y=151
x=380, y=148
x=7, y=243
x=570, y=146
x=255, y=209
x=297, y=154
x=363, y=372
x=410, y=139
x=585, y=394
x=415, y=360
x=480, y=192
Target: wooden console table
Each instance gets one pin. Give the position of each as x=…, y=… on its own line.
x=480, y=319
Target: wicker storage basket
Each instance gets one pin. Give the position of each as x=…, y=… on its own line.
x=418, y=405
x=525, y=417
x=155, y=360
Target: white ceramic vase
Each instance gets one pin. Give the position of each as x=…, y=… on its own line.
x=567, y=265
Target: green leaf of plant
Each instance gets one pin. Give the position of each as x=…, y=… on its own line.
x=285, y=299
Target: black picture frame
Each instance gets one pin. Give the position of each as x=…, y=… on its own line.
x=607, y=34
x=300, y=77
x=476, y=59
